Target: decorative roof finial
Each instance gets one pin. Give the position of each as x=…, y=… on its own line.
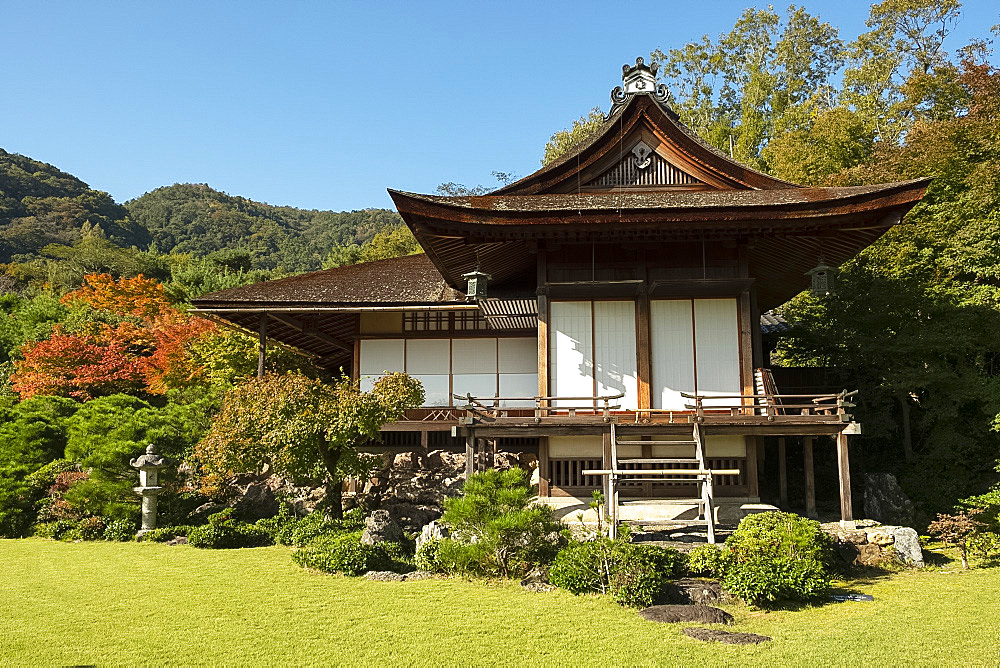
x=637, y=79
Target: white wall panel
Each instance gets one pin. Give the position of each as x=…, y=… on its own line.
x=672, y=351
x=436, y=392
x=614, y=351
x=518, y=385
x=474, y=356
x=518, y=355
x=378, y=355
x=718, y=347
x=428, y=356
x=476, y=384
x=571, y=351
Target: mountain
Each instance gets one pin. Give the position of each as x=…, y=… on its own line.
x=194, y=218
x=40, y=205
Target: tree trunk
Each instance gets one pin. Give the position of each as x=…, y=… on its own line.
x=334, y=481
x=904, y=409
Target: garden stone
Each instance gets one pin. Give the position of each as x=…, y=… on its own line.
x=727, y=637
x=870, y=554
x=392, y=576
x=406, y=460
x=433, y=530
x=538, y=587
x=179, y=540
x=379, y=528
x=206, y=509
x=256, y=503
x=688, y=591
x=885, y=500
x=907, y=546
x=686, y=613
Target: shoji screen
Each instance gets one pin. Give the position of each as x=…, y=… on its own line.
x=672, y=343
x=571, y=351
x=428, y=360
x=474, y=363
x=614, y=351
x=518, y=367
x=718, y=345
x=379, y=356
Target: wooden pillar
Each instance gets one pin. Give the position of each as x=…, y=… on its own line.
x=262, y=346
x=782, y=475
x=844, y=469
x=642, y=350
x=753, y=489
x=543, y=325
x=470, y=454
x=424, y=438
x=544, y=477
x=807, y=461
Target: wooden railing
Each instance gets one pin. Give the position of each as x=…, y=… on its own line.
x=567, y=473
x=770, y=405
x=542, y=406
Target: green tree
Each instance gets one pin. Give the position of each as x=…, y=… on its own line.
x=581, y=130
x=302, y=428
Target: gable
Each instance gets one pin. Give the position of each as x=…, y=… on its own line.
x=642, y=166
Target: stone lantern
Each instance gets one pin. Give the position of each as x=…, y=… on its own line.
x=149, y=466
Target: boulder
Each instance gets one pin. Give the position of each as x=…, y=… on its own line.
x=885, y=500
x=406, y=460
x=871, y=554
x=687, y=591
x=412, y=518
x=686, y=613
x=727, y=637
x=391, y=576
x=199, y=514
x=256, y=503
x=907, y=546
x=539, y=587
x=379, y=528
x=431, y=531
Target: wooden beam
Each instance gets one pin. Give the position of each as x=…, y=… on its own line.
x=745, y=325
x=544, y=476
x=753, y=488
x=262, y=346
x=470, y=454
x=807, y=461
x=642, y=349
x=782, y=474
x=312, y=332
x=844, y=469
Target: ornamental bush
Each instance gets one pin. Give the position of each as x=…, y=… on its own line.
x=709, y=560
x=164, y=534
x=92, y=528
x=497, y=530
x=120, y=531
x=225, y=533
x=343, y=553
x=58, y=530
x=302, y=531
x=634, y=575
x=778, y=557
x=426, y=558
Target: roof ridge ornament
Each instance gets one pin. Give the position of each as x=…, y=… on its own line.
x=638, y=79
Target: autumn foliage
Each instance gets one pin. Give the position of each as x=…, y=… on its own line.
x=138, y=344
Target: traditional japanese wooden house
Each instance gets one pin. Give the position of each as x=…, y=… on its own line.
x=603, y=313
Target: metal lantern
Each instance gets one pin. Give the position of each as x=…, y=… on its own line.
x=477, y=282
x=821, y=277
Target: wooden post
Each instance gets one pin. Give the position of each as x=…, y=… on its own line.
x=543, y=326
x=807, y=461
x=262, y=346
x=782, y=475
x=642, y=350
x=753, y=489
x=844, y=469
x=470, y=455
x=543, y=466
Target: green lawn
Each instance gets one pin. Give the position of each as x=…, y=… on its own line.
x=110, y=603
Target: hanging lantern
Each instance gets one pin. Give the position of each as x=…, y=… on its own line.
x=821, y=277
x=477, y=282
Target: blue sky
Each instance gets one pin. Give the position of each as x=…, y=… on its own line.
x=324, y=105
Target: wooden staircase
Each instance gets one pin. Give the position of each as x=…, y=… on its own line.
x=701, y=476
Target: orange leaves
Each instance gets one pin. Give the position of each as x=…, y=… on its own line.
x=147, y=351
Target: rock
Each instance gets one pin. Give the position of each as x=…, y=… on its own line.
x=907, y=547
x=688, y=591
x=379, y=528
x=390, y=576
x=412, y=518
x=178, y=540
x=539, y=587
x=848, y=552
x=883, y=537
x=419, y=575
x=885, y=500
x=206, y=509
x=431, y=531
x=406, y=460
x=686, y=613
x=442, y=459
x=256, y=503
x=870, y=554
x=727, y=637
x=853, y=537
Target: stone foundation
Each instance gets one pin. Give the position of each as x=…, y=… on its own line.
x=873, y=544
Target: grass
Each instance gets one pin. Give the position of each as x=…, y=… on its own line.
x=140, y=604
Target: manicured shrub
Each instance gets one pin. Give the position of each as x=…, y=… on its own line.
x=634, y=575
x=426, y=558
x=164, y=534
x=58, y=530
x=274, y=525
x=343, y=553
x=301, y=531
x=224, y=533
x=120, y=531
x=709, y=560
x=92, y=528
x=496, y=527
x=778, y=557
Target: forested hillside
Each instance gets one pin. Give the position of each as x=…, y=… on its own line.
x=194, y=218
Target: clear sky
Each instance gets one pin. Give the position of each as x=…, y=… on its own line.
x=326, y=104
